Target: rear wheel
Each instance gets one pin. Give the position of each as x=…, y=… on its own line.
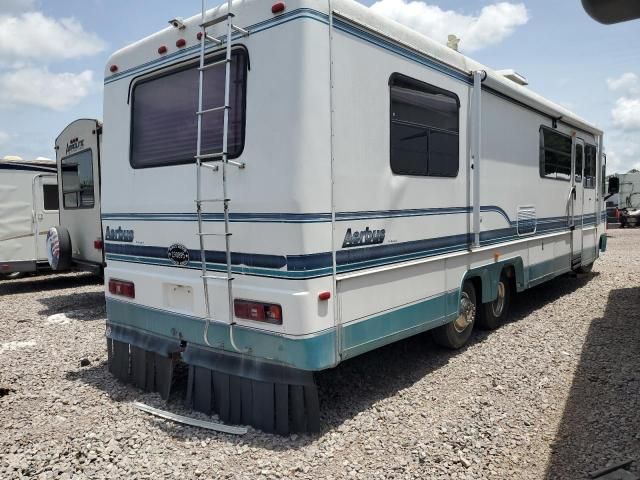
x=493, y=314
x=455, y=334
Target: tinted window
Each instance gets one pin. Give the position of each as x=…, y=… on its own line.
x=77, y=180
x=164, y=123
x=424, y=129
x=555, y=154
x=590, y=166
x=50, y=196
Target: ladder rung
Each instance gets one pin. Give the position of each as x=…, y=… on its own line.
x=205, y=234
x=240, y=30
x=209, y=155
x=211, y=110
x=214, y=64
x=215, y=21
x=216, y=277
x=214, y=40
x=213, y=200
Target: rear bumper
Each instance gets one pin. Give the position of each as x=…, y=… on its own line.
x=165, y=332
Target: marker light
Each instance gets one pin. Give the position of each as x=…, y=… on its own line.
x=181, y=43
x=113, y=68
x=199, y=36
x=97, y=244
x=278, y=7
x=260, y=312
x=324, y=296
x=162, y=49
x=122, y=288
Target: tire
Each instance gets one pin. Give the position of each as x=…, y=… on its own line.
x=493, y=314
x=59, y=249
x=455, y=334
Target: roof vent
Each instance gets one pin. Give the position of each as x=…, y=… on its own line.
x=12, y=158
x=514, y=76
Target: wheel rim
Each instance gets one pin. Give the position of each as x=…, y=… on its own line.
x=497, y=306
x=467, y=313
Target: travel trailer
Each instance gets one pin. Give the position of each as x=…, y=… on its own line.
x=77, y=241
x=298, y=183
x=28, y=207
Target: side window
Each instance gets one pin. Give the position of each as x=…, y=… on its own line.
x=579, y=157
x=164, y=121
x=424, y=129
x=77, y=180
x=555, y=154
x=590, y=166
x=50, y=196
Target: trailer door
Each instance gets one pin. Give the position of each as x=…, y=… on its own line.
x=45, y=211
x=577, y=199
x=590, y=210
x=78, y=158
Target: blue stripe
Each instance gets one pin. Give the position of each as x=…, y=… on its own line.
x=321, y=217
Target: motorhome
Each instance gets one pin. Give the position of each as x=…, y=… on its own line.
x=297, y=183
x=28, y=207
x=77, y=242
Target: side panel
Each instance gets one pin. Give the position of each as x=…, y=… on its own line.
x=78, y=159
x=17, y=240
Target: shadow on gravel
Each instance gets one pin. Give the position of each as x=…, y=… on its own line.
x=46, y=282
x=353, y=386
x=601, y=420
x=78, y=306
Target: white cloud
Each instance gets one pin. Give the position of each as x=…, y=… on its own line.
x=626, y=114
x=41, y=88
x=490, y=26
x=14, y=6
x=33, y=36
x=627, y=82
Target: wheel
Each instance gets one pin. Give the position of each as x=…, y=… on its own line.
x=59, y=248
x=455, y=334
x=585, y=268
x=493, y=314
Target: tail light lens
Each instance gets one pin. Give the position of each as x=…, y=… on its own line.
x=122, y=288
x=260, y=312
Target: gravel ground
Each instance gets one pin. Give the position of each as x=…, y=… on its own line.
x=553, y=394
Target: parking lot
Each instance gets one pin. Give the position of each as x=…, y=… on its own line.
x=555, y=393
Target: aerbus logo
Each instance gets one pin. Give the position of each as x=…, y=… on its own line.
x=363, y=237
x=178, y=254
x=118, y=235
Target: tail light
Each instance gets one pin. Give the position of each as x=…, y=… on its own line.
x=122, y=288
x=260, y=312
x=97, y=244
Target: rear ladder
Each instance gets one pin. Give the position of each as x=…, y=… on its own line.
x=216, y=161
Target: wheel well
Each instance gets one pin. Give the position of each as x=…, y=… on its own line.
x=477, y=286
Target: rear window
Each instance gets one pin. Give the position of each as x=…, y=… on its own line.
x=77, y=180
x=50, y=197
x=164, y=121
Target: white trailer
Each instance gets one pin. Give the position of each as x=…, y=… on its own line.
x=78, y=166
x=339, y=183
x=28, y=207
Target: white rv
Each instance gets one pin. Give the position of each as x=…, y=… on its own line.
x=339, y=183
x=77, y=241
x=28, y=207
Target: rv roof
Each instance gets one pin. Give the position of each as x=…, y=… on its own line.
x=40, y=162
x=377, y=24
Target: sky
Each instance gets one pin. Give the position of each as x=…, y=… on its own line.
x=53, y=53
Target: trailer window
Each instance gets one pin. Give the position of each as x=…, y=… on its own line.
x=77, y=180
x=424, y=129
x=50, y=197
x=164, y=121
x=555, y=154
x=590, y=166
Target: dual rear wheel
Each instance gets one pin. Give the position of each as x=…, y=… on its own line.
x=487, y=316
